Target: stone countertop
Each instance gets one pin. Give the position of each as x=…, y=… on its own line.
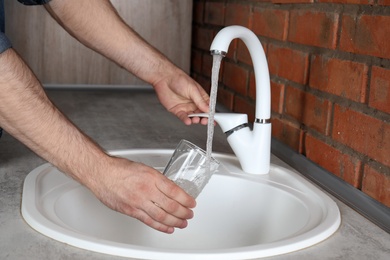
x=126, y=119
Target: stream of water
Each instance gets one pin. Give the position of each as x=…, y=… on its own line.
x=193, y=188
x=213, y=99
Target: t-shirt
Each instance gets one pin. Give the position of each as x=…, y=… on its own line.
x=34, y=2
x=4, y=41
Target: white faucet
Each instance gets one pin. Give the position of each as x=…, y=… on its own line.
x=252, y=147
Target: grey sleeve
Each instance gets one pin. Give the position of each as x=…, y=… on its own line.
x=4, y=43
x=34, y=2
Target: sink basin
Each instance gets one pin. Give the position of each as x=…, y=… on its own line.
x=238, y=216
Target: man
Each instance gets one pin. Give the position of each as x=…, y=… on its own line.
x=26, y=113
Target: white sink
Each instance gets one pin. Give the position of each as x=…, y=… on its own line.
x=238, y=216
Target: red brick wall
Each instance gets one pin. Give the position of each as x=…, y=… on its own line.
x=329, y=62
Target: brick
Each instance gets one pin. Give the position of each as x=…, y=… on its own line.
x=235, y=77
x=288, y=63
x=243, y=105
x=252, y=86
x=361, y=2
x=339, y=77
x=383, y=2
x=277, y=97
x=342, y=165
x=308, y=109
x=198, y=11
x=313, y=28
x=294, y=103
x=291, y=1
x=243, y=53
x=214, y=13
x=237, y=14
x=363, y=133
x=376, y=185
x=317, y=113
x=231, y=54
x=271, y=23
x=366, y=35
x=286, y=132
x=202, y=38
x=196, y=61
x=226, y=98
x=207, y=64
x=204, y=82
x=380, y=89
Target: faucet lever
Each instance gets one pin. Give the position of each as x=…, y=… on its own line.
x=227, y=121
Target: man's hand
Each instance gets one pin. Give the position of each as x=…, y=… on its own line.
x=181, y=95
x=131, y=188
x=143, y=193
x=97, y=25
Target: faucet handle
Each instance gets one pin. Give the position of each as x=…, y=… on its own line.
x=227, y=121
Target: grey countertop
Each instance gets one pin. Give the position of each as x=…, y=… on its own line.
x=125, y=119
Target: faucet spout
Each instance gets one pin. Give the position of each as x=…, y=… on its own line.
x=252, y=147
x=220, y=45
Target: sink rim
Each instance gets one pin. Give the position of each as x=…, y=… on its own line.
x=43, y=225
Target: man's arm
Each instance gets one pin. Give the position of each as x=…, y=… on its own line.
x=128, y=187
x=97, y=25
